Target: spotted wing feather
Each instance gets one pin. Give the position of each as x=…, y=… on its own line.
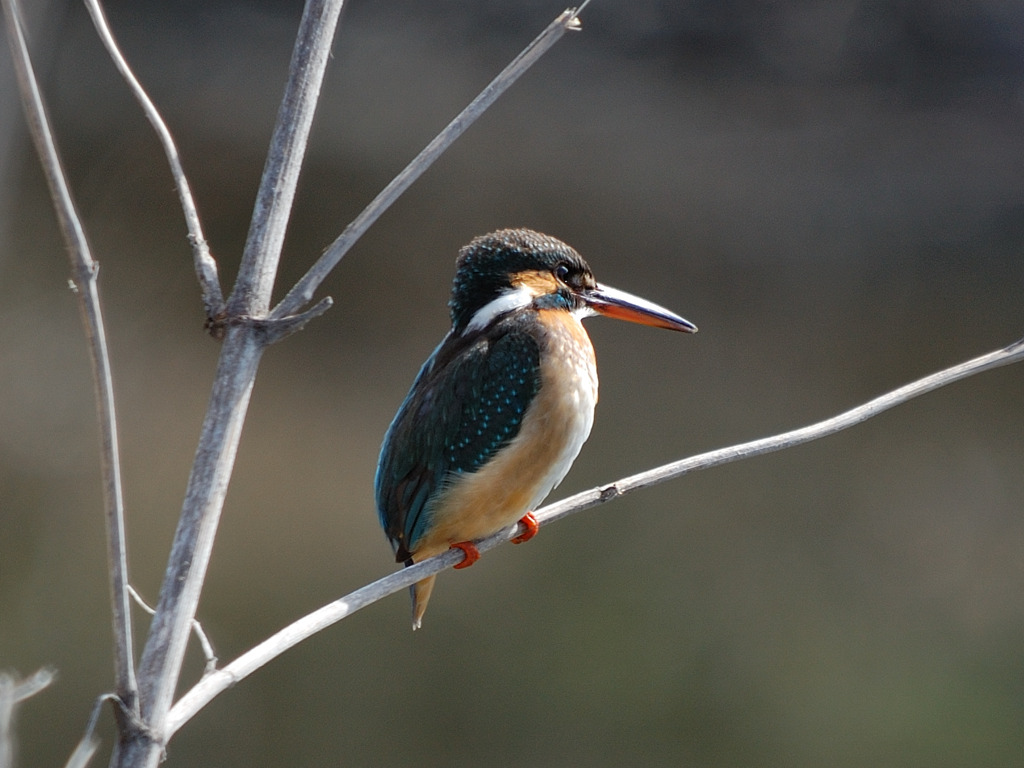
x=466, y=403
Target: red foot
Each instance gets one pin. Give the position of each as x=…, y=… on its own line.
x=471, y=552
x=530, y=528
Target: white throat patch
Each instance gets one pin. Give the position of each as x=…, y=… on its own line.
x=510, y=300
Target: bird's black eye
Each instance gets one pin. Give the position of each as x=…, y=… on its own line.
x=562, y=272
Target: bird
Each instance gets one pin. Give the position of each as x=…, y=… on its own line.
x=503, y=405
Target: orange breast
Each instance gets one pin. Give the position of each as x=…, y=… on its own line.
x=554, y=429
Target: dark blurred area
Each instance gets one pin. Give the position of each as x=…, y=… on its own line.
x=831, y=190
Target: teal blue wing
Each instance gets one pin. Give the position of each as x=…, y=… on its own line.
x=466, y=403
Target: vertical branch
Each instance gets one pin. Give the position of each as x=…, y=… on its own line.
x=193, y=542
x=251, y=295
x=205, y=266
x=84, y=271
x=243, y=347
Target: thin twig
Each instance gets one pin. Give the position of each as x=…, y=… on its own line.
x=90, y=742
x=302, y=293
x=84, y=271
x=197, y=629
x=205, y=266
x=212, y=685
x=276, y=329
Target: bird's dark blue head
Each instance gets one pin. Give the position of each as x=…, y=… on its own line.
x=496, y=265
x=512, y=270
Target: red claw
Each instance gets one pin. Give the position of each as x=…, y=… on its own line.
x=471, y=552
x=530, y=528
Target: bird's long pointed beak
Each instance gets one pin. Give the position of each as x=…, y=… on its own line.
x=612, y=302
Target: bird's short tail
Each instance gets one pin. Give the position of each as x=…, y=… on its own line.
x=420, y=593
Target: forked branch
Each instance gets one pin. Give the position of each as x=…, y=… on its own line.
x=12, y=694
x=248, y=330
x=303, y=291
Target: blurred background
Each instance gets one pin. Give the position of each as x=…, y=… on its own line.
x=831, y=189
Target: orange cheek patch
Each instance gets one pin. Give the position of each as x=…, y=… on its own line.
x=536, y=282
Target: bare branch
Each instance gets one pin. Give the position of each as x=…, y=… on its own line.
x=302, y=293
x=205, y=266
x=1012, y=353
x=251, y=295
x=272, y=205
x=12, y=693
x=164, y=652
x=212, y=685
x=243, y=347
x=84, y=271
x=87, y=746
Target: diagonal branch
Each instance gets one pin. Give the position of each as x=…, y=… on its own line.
x=302, y=293
x=215, y=683
x=84, y=271
x=205, y=266
x=90, y=742
x=1013, y=353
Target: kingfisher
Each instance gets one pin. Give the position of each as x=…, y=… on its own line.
x=502, y=407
